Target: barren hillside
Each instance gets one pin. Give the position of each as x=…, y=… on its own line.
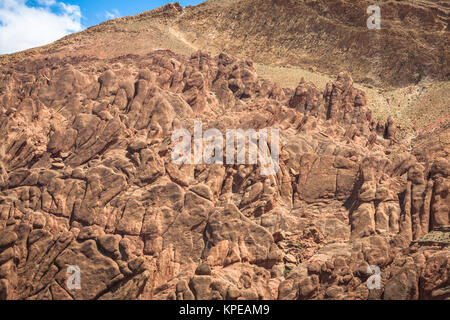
x=329, y=36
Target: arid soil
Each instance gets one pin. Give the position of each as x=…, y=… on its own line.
x=87, y=178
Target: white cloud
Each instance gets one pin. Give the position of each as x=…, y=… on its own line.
x=23, y=27
x=114, y=13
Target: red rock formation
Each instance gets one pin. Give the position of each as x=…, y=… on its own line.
x=86, y=179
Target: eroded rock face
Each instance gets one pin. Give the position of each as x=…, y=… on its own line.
x=87, y=180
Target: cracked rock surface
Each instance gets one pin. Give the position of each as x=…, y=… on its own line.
x=87, y=180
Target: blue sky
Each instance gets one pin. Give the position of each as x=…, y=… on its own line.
x=26, y=24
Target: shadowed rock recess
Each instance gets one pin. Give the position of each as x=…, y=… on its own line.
x=87, y=180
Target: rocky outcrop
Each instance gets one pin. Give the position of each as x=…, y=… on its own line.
x=87, y=180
